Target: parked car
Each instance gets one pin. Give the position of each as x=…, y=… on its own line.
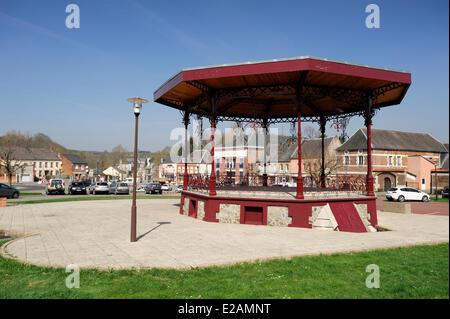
x=286, y=184
x=55, y=186
x=9, y=192
x=445, y=192
x=77, y=188
x=179, y=188
x=89, y=185
x=101, y=187
x=406, y=193
x=120, y=188
x=112, y=187
x=165, y=187
x=153, y=189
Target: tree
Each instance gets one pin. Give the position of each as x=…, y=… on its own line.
x=309, y=132
x=118, y=153
x=8, y=163
x=314, y=168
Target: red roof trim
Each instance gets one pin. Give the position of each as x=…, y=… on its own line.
x=283, y=66
x=296, y=65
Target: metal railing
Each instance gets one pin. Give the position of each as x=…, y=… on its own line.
x=280, y=183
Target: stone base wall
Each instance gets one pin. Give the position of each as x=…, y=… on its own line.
x=229, y=213
x=278, y=216
x=186, y=206
x=201, y=210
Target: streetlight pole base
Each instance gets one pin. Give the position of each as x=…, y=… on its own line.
x=133, y=224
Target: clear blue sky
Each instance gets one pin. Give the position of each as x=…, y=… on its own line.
x=72, y=84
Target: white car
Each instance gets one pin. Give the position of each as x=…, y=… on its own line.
x=101, y=187
x=286, y=184
x=165, y=187
x=406, y=193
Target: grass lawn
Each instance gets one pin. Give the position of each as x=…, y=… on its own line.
x=30, y=194
x=414, y=272
x=78, y=199
x=439, y=200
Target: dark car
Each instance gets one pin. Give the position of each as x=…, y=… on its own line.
x=77, y=188
x=9, y=192
x=445, y=192
x=153, y=189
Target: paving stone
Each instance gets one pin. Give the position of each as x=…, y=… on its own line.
x=96, y=234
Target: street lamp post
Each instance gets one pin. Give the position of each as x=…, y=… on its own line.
x=137, y=106
x=435, y=180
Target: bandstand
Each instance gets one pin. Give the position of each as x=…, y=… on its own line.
x=296, y=90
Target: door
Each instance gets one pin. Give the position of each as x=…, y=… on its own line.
x=253, y=215
x=417, y=195
x=387, y=184
x=5, y=190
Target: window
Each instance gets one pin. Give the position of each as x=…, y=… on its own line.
x=82, y=167
x=76, y=166
x=360, y=160
x=51, y=164
x=45, y=164
x=390, y=158
x=241, y=163
x=40, y=164
x=399, y=161
x=346, y=160
x=287, y=167
x=217, y=165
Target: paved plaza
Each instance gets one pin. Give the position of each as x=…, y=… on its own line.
x=97, y=234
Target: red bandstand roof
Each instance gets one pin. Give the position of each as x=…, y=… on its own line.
x=268, y=89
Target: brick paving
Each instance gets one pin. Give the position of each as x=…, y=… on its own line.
x=96, y=234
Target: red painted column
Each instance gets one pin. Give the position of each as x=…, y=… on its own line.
x=185, y=175
x=369, y=179
x=212, y=179
x=299, y=175
x=322, y=168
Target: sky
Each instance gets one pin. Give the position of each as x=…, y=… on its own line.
x=72, y=84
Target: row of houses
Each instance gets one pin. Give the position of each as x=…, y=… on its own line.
x=398, y=159
x=33, y=164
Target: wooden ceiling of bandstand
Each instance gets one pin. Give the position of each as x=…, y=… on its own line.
x=268, y=89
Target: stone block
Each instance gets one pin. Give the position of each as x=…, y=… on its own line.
x=278, y=216
x=396, y=207
x=186, y=206
x=322, y=218
x=229, y=213
x=201, y=210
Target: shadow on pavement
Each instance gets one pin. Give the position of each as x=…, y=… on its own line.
x=159, y=224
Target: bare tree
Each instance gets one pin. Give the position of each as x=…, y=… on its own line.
x=314, y=168
x=8, y=163
x=309, y=132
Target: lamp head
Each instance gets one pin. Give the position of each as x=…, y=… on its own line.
x=137, y=104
